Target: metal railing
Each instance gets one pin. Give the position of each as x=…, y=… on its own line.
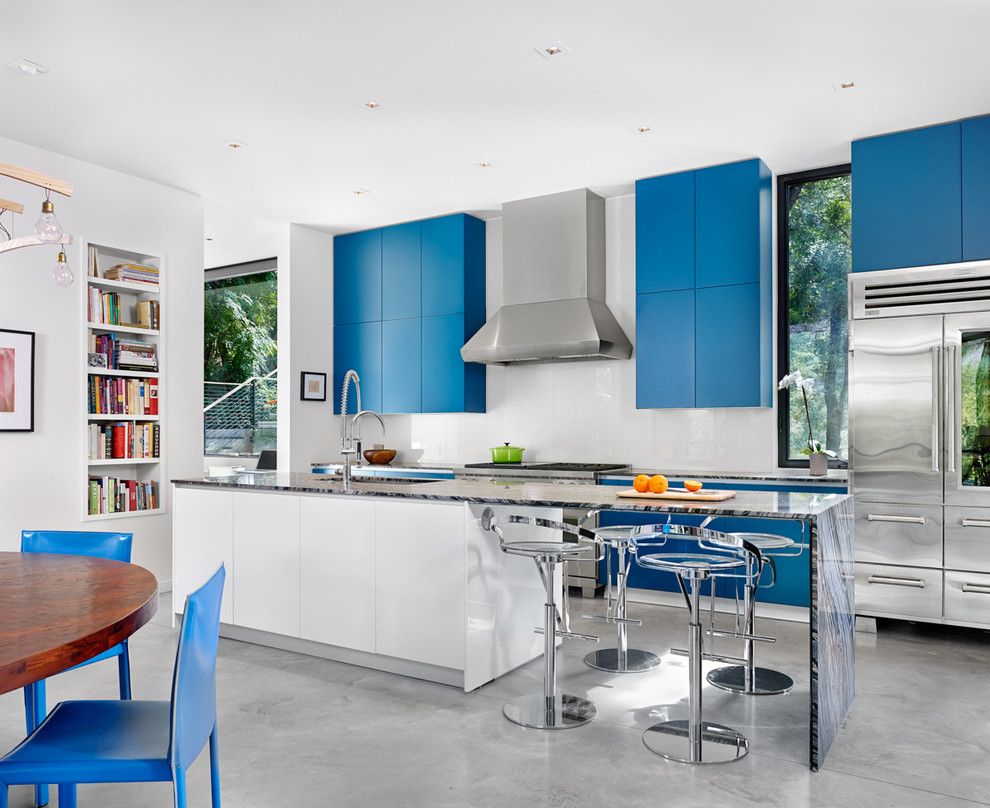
x=240, y=418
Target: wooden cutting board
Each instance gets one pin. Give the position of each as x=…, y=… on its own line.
x=679, y=493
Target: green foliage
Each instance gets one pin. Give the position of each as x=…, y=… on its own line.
x=241, y=326
x=819, y=218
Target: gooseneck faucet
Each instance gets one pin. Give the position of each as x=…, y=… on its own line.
x=349, y=445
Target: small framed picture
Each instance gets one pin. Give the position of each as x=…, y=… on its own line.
x=16, y=381
x=313, y=386
x=97, y=360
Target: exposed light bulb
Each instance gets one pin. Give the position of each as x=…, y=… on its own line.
x=48, y=228
x=61, y=274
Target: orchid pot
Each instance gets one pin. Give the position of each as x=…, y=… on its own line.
x=818, y=456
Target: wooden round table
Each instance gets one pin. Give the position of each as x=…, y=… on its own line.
x=59, y=610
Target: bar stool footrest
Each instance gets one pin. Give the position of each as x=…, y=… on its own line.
x=559, y=712
x=570, y=635
x=766, y=682
x=632, y=621
x=725, y=659
x=719, y=744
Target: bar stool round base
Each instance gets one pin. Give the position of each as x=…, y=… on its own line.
x=635, y=661
x=766, y=682
x=719, y=744
x=565, y=712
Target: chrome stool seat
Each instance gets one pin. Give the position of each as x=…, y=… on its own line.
x=747, y=678
x=694, y=740
x=551, y=709
x=621, y=658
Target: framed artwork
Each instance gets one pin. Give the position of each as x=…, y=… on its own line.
x=313, y=386
x=16, y=381
x=97, y=360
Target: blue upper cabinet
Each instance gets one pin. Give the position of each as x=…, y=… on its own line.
x=402, y=358
x=401, y=271
x=976, y=188
x=358, y=346
x=449, y=383
x=665, y=364
x=357, y=273
x=406, y=298
x=706, y=344
x=732, y=354
x=732, y=222
x=665, y=233
x=907, y=199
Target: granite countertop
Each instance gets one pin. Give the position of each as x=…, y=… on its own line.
x=778, y=474
x=553, y=495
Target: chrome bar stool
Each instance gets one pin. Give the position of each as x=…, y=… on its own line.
x=622, y=658
x=551, y=709
x=694, y=740
x=747, y=677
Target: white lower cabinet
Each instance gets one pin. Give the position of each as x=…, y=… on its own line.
x=420, y=582
x=266, y=561
x=202, y=540
x=337, y=572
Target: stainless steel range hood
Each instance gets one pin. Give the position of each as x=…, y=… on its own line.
x=553, y=278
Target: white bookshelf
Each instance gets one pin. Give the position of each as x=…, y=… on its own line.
x=141, y=469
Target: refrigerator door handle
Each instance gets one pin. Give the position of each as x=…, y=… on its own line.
x=936, y=405
x=975, y=522
x=950, y=409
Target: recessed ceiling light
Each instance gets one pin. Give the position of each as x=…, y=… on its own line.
x=844, y=85
x=555, y=49
x=373, y=103
x=209, y=238
x=235, y=144
x=28, y=67
x=643, y=130
x=485, y=164
x=361, y=192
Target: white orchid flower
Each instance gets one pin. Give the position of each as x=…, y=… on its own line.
x=790, y=380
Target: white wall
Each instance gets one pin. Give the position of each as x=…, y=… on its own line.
x=306, y=429
x=41, y=471
x=236, y=237
x=586, y=411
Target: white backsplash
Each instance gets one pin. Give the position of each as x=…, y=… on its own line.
x=586, y=411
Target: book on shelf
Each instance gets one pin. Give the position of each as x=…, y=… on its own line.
x=124, y=441
x=115, y=495
x=92, y=268
x=113, y=396
x=124, y=354
x=133, y=273
x=105, y=308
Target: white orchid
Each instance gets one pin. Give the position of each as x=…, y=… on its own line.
x=806, y=386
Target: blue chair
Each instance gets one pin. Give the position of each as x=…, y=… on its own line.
x=134, y=741
x=115, y=546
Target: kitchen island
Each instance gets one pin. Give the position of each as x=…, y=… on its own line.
x=399, y=576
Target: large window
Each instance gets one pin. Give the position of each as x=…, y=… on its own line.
x=814, y=212
x=240, y=359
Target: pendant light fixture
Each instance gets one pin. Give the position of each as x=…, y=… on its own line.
x=61, y=274
x=48, y=229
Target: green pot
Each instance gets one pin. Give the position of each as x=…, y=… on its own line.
x=507, y=454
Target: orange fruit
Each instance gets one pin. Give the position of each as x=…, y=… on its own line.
x=641, y=483
x=658, y=484
x=692, y=485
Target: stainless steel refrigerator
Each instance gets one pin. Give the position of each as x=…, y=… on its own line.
x=919, y=419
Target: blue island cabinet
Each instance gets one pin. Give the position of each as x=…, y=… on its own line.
x=406, y=298
x=703, y=288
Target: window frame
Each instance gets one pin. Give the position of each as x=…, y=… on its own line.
x=783, y=306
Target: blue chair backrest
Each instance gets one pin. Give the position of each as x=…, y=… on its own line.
x=115, y=546
x=194, y=681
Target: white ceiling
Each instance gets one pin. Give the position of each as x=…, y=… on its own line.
x=154, y=88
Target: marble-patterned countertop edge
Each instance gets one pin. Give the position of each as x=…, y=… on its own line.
x=763, y=504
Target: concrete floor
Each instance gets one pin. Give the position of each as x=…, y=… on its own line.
x=298, y=731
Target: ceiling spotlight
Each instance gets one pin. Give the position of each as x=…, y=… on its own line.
x=373, y=103
x=235, y=144
x=556, y=49
x=643, y=130
x=28, y=67
x=361, y=192
x=844, y=85
x=485, y=164
x=209, y=238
